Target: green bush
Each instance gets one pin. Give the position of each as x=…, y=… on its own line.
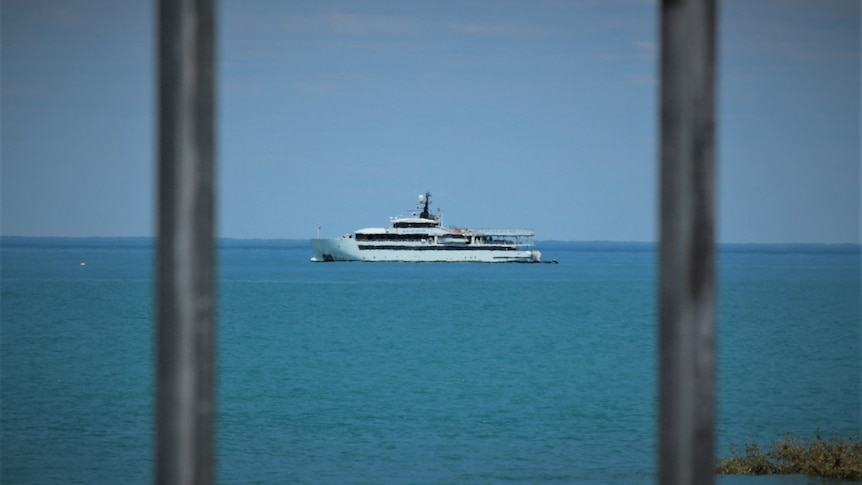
x=834, y=457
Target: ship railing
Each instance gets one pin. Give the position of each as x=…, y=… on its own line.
x=500, y=232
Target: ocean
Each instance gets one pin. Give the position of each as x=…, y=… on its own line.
x=431, y=373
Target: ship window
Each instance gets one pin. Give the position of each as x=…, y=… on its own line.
x=390, y=237
x=414, y=224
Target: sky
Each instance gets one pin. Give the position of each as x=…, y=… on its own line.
x=336, y=114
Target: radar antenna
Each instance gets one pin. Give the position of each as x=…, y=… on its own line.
x=426, y=198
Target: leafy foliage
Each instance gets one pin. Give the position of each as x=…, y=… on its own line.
x=833, y=457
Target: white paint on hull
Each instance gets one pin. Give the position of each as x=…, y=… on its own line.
x=348, y=249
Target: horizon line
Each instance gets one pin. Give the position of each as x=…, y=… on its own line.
x=579, y=241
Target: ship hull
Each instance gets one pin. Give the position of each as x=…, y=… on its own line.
x=349, y=249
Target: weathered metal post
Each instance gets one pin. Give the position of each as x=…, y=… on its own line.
x=687, y=287
x=185, y=399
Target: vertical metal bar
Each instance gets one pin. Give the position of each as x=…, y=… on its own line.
x=687, y=301
x=186, y=330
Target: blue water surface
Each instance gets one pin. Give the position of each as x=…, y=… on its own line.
x=415, y=373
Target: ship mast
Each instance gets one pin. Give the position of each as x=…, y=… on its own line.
x=425, y=214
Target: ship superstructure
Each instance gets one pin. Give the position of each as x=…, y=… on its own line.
x=421, y=237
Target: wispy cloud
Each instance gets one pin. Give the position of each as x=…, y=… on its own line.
x=494, y=29
x=807, y=50
x=347, y=24
x=61, y=16
x=642, y=79
x=334, y=23
x=648, y=46
x=316, y=88
x=592, y=4
x=791, y=31
x=367, y=24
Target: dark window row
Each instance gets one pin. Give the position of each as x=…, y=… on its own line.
x=391, y=237
x=415, y=224
x=436, y=247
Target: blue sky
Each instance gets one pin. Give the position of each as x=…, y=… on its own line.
x=538, y=114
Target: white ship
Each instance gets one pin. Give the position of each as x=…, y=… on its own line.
x=421, y=238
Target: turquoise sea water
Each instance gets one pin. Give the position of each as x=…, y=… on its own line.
x=415, y=373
